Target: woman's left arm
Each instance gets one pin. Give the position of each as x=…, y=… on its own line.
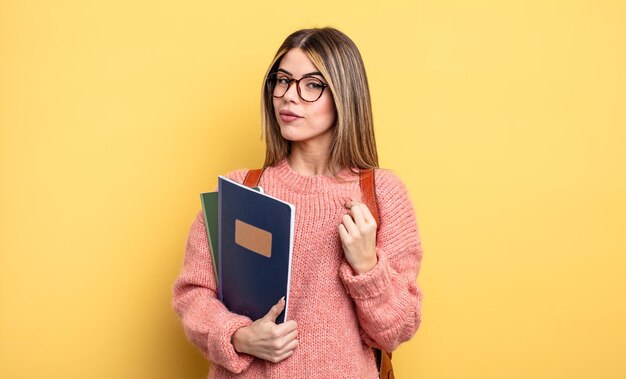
x=386, y=296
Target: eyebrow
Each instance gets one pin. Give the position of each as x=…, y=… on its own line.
x=309, y=74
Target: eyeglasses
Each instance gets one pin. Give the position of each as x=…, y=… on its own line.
x=309, y=88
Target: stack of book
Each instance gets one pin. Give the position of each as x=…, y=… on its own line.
x=251, y=238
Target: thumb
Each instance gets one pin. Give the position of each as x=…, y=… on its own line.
x=275, y=310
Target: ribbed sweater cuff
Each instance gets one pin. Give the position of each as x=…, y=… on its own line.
x=228, y=357
x=369, y=285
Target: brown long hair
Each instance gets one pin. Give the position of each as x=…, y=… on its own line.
x=340, y=63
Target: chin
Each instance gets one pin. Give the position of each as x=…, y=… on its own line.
x=289, y=135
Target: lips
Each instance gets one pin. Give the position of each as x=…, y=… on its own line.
x=288, y=116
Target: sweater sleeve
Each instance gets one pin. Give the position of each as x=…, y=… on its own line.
x=387, y=298
x=206, y=321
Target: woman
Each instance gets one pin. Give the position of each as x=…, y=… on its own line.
x=352, y=288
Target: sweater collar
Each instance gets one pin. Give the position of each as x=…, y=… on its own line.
x=310, y=183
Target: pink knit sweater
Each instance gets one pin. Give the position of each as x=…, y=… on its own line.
x=340, y=315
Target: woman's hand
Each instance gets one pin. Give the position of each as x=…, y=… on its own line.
x=358, y=237
x=265, y=339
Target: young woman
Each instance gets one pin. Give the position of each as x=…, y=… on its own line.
x=352, y=287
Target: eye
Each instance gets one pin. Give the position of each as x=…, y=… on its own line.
x=282, y=80
x=314, y=84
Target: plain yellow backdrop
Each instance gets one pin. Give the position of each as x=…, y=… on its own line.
x=506, y=120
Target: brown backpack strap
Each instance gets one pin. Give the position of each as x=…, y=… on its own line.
x=385, y=368
x=367, y=183
x=368, y=189
x=252, y=177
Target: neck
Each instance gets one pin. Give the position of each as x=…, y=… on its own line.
x=308, y=162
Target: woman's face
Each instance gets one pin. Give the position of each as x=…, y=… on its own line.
x=304, y=122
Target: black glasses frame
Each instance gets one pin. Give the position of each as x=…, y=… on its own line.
x=271, y=79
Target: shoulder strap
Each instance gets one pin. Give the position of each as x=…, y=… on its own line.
x=252, y=177
x=368, y=189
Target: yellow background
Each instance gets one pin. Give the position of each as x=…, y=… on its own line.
x=506, y=119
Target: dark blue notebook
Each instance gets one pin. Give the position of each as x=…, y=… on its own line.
x=255, y=245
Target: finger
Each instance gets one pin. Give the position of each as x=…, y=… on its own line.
x=283, y=356
x=287, y=327
x=351, y=204
x=363, y=210
x=290, y=346
x=357, y=213
x=367, y=214
x=293, y=335
x=275, y=311
x=286, y=342
x=343, y=232
x=349, y=224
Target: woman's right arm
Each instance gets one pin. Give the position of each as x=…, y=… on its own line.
x=207, y=322
x=225, y=338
